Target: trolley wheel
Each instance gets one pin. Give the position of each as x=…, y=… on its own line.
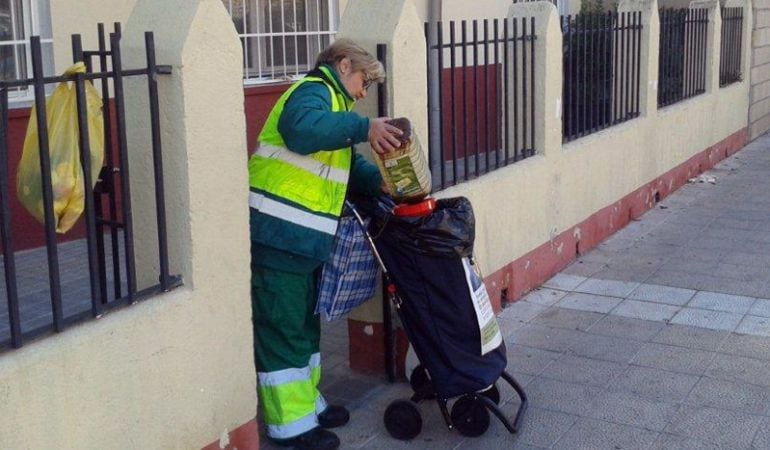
x=421, y=384
x=470, y=416
x=493, y=393
x=403, y=420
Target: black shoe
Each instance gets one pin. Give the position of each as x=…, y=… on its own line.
x=315, y=439
x=333, y=416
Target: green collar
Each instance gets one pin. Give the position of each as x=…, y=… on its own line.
x=331, y=76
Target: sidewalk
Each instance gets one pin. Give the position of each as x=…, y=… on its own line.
x=657, y=339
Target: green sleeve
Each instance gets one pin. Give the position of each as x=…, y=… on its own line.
x=307, y=123
x=365, y=178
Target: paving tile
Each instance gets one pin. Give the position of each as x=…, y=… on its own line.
x=690, y=337
x=723, y=394
x=507, y=392
x=623, y=272
x=654, y=384
x=676, y=442
x=590, y=434
x=610, y=288
x=588, y=302
x=760, y=308
x=604, y=347
x=564, y=282
x=715, y=320
x=577, y=369
x=746, y=345
x=569, y=398
x=740, y=369
x=645, y=310
x=759, y=326
x=629, y=409
x=567, y=318
x=540, y=428
x=715, y=426
x=544, y=296
x=584, y=268
x=530, y=360
x=662, y=294
x=522, y=311
x=762, y=438
x=721, y=302
x=676, y=359
x=625, y=327
x=546, y=338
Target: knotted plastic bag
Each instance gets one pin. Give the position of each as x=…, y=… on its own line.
x=66, y=171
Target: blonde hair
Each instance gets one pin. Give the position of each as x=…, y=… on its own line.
x=359, y=58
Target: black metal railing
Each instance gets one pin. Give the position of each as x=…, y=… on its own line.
x=601, y=65
x=682, y=55
x=112, y=188
x=486, y=97
x=731, y=52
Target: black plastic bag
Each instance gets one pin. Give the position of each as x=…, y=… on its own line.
x=449, y=231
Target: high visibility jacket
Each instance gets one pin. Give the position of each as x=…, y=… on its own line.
x=296, y=199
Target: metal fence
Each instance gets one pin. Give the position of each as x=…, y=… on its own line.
x=601, y=71
x=731, y=52
x=112, y=189
x=486, y=96
x=281, y=38
x=682, y=56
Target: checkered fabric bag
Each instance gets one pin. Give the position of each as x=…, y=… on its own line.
x=349, y=278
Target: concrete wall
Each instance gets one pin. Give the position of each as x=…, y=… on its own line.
x=175, y=370
x=759, y=113
x=535, y=202
x=80, y=17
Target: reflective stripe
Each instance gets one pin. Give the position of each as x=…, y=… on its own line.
x=320, y=404
x=292, y=429
x=315, y=360
x=284, y=376
x=304, y=162
x=288, y=213
x=291, y=374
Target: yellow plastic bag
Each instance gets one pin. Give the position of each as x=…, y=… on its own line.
x=64, y=149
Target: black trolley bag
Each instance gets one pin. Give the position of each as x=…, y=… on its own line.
x=422, y=259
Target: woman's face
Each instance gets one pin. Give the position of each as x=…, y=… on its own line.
x=355, y=81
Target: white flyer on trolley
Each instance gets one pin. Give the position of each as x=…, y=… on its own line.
x=491, y=337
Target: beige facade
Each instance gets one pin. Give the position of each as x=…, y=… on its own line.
x=176, y=370
x=80, y=17
x=759, y=112
x=564, y=184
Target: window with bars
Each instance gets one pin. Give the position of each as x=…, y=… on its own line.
x=281, y=38
x=20, y=19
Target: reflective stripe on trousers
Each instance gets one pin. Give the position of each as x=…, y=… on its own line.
x=290, y=400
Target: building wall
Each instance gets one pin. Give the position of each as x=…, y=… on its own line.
x=80, y=17
x=759, y=113
x=541, y=201
x=175, y=370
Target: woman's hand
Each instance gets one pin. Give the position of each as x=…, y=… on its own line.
x=382, y=136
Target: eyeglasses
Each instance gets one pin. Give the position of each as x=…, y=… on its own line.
x=368, y=83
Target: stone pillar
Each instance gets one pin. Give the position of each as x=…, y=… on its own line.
x=713, y=40
x=548, y=67
x=203, y=138
x=650, y=40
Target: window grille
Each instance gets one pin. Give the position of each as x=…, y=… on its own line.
x=281, y=38
x=20, y=19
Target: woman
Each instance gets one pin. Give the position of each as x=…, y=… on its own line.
x=300, y=174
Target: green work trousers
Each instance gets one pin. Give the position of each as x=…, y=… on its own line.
x=286, y=349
